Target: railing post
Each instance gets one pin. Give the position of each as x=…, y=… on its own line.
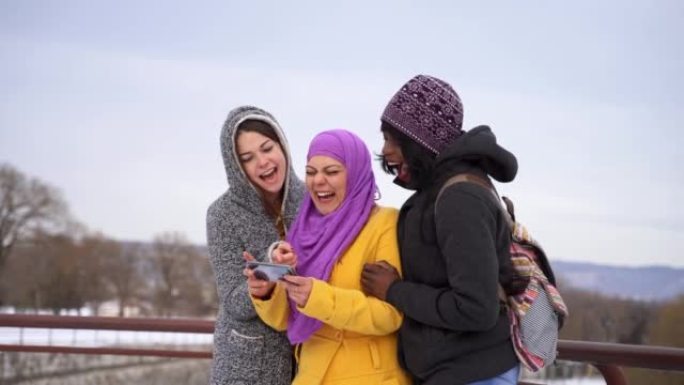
x=612, y=374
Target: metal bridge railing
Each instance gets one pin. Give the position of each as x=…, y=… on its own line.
x=607, y=358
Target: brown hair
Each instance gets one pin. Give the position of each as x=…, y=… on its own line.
x=260, y=127
x=265, y=129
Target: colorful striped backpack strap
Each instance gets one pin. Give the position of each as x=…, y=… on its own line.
x=536, y=309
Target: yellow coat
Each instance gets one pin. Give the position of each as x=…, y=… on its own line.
x=357, y=343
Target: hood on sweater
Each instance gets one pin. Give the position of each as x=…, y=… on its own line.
x=239, y=185
x=478, y=148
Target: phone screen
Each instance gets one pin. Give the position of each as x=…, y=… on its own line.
x=269, y=271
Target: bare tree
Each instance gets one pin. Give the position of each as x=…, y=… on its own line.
x=62, y=281
x=665, y=330
x=205, y=275
x=122, y=272
x=27, y=205
x=177, y=271
x=24, y=278
x=98, y=257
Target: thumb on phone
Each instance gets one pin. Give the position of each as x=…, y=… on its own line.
x=284, y=254
x=247, y=256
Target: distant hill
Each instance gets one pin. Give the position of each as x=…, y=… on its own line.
x=649, y=283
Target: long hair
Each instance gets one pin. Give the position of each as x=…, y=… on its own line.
x=265, y=129
x=420, y=160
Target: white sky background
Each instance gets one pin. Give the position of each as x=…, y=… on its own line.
x=120, y=103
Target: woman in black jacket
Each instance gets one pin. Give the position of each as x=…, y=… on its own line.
x=453, y=241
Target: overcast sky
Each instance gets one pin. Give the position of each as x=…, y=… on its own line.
x=120, y=103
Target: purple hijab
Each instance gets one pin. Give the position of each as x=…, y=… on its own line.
x=320, y=240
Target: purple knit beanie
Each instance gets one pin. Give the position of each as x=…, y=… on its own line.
x=428, y=110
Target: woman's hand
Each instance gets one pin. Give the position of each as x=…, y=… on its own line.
x=284, y=254
x=298, y=288
x=376, y=278
x=258, y=288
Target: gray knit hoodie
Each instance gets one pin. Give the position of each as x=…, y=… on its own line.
x=246, y=351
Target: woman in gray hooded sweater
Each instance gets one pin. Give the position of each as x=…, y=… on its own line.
x=262, y=200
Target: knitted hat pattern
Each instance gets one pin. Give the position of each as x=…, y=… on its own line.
x=428, y=110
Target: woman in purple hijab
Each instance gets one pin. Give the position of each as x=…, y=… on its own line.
x=340, y=334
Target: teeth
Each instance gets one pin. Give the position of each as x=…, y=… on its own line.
x=324, y=195
x=268, y=173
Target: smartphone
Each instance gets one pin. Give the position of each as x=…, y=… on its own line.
x=269, y=271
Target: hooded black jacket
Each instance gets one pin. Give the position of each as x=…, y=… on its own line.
x=453, y=255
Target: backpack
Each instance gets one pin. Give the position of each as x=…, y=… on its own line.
x=535, y=307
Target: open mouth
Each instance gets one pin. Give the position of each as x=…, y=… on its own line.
x=400, y=170
x=269, y=175
x=394, y=167
x=325, y=197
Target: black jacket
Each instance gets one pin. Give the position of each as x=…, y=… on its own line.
x=454, y=330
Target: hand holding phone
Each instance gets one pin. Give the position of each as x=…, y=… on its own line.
x=298, y=288
x=269, y=271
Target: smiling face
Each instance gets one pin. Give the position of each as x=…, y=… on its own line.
x=394, y=158
x=263, y=161
x=326, y=180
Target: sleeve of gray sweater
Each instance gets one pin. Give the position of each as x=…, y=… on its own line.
x=225, y=255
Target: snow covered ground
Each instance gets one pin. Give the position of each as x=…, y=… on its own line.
x=574, y=381
x=83, y=337
x=86, y=338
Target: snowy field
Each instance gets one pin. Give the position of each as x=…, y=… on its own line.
x=84, y=337
x=574, y=381
x=81, y=337
x=91, y=338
